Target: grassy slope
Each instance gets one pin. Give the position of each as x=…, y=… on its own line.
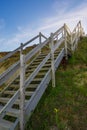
x=69, y=97
x=13, y=59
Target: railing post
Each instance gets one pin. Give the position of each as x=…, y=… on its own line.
x=80, y=29
x=21, y=49
x=65, y=36
x=72, y=43
x=22, y=91
x=63, y=33
x=76, y=42
x=52, y=60
x=77, y=37
x=40, y=39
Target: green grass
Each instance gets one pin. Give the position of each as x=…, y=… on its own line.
x=69, y=97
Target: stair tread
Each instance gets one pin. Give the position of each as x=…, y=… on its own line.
x=6, y=99
x=34, y=69
x=12, y=111
x=37, y=66
x=13, y=92
x=30, y=86
x=5, y=124
x=37, y=79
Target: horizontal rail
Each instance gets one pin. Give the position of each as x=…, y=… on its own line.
x=26, y=43
x=43, y=36
x=18, y=49
x=58, y=31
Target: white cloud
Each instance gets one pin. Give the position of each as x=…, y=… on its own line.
x=60, y=16
x=71, y=17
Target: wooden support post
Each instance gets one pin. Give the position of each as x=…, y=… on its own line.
x=21, y=49
x=22, y=91
x=40, y=39
x=65, y=36
x=52, y=60
x=77, y=38
x=63, y=33
x=71, y=42
x=80, y=30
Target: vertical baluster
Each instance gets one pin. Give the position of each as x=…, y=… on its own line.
x=40, y=41
x=65, y=36
x=22, y=90
x=52, y=60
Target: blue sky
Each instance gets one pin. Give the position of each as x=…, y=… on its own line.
x=20, y=20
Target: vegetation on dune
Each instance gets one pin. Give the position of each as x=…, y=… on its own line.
x=13, y=59
x=65, y=106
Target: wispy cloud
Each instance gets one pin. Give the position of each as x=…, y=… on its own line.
x=61, y=14
x=70, y=17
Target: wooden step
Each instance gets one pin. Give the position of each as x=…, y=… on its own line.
x=38, y=60
x=36, y=63
x=47, y=65
x=30, y=86
x=6, y=99
x=43, y=54
x=38, y=79
x=42, y=69
x=11, y=112
x=41, y=74
x=12, y=85
x=41, y=57
x=35, y=66
x=13, y=92
x=5, y=125
x=57, y=52
x=33, y=86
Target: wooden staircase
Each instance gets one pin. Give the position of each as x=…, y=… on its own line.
x=19, y=99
